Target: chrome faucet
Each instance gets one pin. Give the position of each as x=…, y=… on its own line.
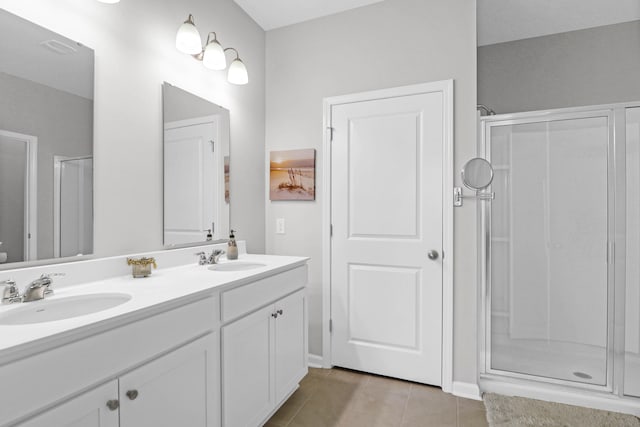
x=211, y=259
x=10, y=294
x=39, y=288
x=215, y=256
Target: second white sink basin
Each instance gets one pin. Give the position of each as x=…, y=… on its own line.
x=48, y=310
x=236, y=266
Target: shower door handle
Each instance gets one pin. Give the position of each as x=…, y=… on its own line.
x=433, y=254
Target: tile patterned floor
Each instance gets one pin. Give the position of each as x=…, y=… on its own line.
x=342, y=398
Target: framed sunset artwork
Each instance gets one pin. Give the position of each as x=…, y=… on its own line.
x=292, y=175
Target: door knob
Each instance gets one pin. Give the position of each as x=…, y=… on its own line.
x=132, y=394
x=113, y=404
x=433, y=255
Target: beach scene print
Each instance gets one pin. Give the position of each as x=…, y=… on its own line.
x=293, y=175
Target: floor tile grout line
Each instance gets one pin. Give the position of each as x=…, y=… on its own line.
x=406, y=404
x=322, y=379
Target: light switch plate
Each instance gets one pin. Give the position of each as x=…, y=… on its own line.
x=279, y=225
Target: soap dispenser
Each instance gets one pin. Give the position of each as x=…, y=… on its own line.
x=232, y=250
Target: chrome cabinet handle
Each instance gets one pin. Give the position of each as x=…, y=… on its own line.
x=113, y=404
x=433, y=255
x=132, y=394
x=274, y=315
x=280, y=312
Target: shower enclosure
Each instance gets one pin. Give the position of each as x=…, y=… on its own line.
x=561, y=253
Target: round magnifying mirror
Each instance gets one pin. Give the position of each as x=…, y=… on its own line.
x=477, y=174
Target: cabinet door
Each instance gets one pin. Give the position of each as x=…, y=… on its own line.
x=290, y=344
x=87, y=410
x=178, y=389
x=247, y=366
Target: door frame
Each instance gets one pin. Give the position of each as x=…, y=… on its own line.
x=31, y=196
x=446, y=87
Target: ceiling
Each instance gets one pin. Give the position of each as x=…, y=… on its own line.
x=24, y=55
x=506, y=20
x=498, y=20
x=270, y=14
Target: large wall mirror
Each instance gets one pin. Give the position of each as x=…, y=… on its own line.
x=196, y=169
x=46, y=144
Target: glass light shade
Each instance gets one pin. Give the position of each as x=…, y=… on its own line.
x=214, y=58
x=238, y=73
x=188, y=38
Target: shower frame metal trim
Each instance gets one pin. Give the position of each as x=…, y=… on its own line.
x=616, y=229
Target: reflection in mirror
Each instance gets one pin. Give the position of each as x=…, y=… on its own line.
x=477, y=174
x=46, y=144
x=196, y=169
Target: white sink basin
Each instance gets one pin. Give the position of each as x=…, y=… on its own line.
x=48, y=310
x=236, y=266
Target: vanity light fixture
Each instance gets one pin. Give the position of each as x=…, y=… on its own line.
x=212, y=54
x=237, y=71
x=188, y=38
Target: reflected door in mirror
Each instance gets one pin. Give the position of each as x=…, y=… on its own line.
x=191, y=180
x=18, y=228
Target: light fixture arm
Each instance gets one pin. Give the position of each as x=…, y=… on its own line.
x=190, y=20
x=200, y=56
x=230, y=48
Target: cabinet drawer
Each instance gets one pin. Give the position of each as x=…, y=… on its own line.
x=244, y=299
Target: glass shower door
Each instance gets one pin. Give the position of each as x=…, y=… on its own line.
x=632, y=293
x=75, y=207
x=548, y=271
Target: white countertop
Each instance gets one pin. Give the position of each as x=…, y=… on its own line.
x=156, y=293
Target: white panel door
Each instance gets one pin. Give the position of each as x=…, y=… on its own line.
x=179, y=389
x=87, y=410
x=386, y=210
x=290, y=346
x=190, y=183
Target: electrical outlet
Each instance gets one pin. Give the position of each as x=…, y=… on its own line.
x=280, y=226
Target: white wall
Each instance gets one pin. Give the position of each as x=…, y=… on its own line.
x=586, y=67
x=134, y=43
x=393, y=43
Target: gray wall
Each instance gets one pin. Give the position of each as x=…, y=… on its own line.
x=586, y=67
x=63, y=124
x=133, y=57
x=392, y=43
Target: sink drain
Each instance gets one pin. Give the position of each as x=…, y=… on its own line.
x=582, y=375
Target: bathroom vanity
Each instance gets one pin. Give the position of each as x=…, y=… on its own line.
x=191, y=345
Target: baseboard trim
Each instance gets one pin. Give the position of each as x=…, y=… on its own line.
x=466, y=390
x=315, y=361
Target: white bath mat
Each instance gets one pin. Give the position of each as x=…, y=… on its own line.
x=506, y=411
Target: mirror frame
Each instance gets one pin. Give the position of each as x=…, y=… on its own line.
x=223, y=198
x=73, y=258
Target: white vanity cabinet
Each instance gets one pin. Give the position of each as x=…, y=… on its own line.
x=87, y=410
x=264, y=350
x=162, y=370
x=178, y=389
x=173, y=390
